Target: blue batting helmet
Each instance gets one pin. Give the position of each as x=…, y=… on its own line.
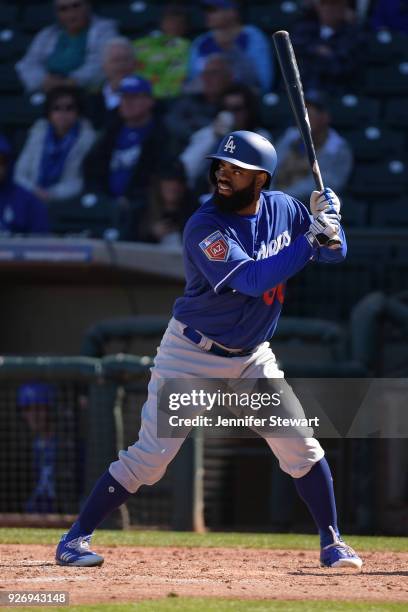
x=246, y=150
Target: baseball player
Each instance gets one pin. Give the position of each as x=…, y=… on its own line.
x=240, y=248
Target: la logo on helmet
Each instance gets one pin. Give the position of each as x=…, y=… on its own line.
x=230, y=145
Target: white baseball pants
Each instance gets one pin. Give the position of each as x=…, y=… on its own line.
x=146, y=461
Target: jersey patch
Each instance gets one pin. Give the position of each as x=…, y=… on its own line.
x=215, y=246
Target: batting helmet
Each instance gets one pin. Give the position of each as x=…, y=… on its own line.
x=246, y=150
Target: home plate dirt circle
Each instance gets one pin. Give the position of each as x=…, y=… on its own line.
x=137, y=573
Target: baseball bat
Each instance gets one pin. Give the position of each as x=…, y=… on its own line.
x=294, y=90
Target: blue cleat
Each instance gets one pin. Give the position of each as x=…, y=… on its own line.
x=77, y=553
x=339, y=554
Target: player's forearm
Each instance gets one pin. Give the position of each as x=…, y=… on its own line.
x=325, y=255
x=256, y=277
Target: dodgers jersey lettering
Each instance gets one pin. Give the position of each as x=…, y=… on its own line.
x=217, y=246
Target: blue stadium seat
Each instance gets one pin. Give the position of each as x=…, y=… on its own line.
x=89, y=214
x=37, y=16
x=390, y=213
x=384, y=47
x=351, y=111
x=353, y=212
x=133, y=17
x=396, y=113
x=273, y=16
x=13, y=45
x=21, y=111
x=388, y=179
x=389, y=81
x=8, y=15
x=276, y=113
x=372, y=143
x=9, y=80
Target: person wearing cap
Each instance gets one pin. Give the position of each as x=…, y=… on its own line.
x=162, y=56
x=50, y=163
x=20, y=211
x=333, y=152
x=124, y=159
x=226, y=34
x=36, y=402
x=68, y=52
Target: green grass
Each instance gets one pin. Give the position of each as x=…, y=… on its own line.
x=208, y=540
x=192, y=604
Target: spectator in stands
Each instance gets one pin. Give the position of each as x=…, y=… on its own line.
x=247, y=46
x=193, y=111
x=50, y=164
x=391, y=15
x=119, y=61
x=239, y=111
x=68, y=52
x=123, y=161
x=327, y=46
x=333, y=153
x=37, y=404
x=162, y=56
x=20, y=211
x=170, y=205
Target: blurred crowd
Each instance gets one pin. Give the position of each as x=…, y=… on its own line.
x=129, y=122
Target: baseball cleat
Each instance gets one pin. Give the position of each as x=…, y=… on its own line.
x=338, y=554
x=77, y=552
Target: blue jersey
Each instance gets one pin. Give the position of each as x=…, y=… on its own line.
x=222, y=248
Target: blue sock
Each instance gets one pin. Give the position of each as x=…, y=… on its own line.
x=106, y=496
x=316, y=490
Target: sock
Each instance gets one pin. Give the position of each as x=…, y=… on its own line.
x=106, y=496
x=316, y=490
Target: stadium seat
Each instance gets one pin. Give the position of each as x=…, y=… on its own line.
x=37, y=16
x=390, y=214
x=9, y=80
x=8, y=15
x=373, y=143
x=89, y=214
x=275, y=112
x=389, y=81
x=353, y=212
x=273, y=17
x=384, y=47
x=13, y=45
x=21, y=111
x=396, y=113
x=351, y=111
x=134, y=17
x=388, y=179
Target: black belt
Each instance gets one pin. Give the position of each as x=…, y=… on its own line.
x=196, y=337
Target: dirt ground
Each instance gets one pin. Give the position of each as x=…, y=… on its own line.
x=133, y=574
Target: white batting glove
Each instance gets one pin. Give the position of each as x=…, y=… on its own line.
x=324, y=201
x=322, y=229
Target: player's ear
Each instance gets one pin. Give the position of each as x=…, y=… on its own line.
x=261, y=180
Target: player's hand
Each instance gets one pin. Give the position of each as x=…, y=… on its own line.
x=324, y=201
x=323, y=228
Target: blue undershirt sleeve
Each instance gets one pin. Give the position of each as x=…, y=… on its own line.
x=256, y=277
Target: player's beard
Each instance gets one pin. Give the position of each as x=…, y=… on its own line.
x=238, y=200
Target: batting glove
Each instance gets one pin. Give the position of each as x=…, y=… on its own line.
x=322, y=229
x=324, y=201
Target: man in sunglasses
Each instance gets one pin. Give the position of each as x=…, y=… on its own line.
x=68, y=52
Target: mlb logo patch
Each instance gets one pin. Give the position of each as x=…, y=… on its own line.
x=215, y=246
